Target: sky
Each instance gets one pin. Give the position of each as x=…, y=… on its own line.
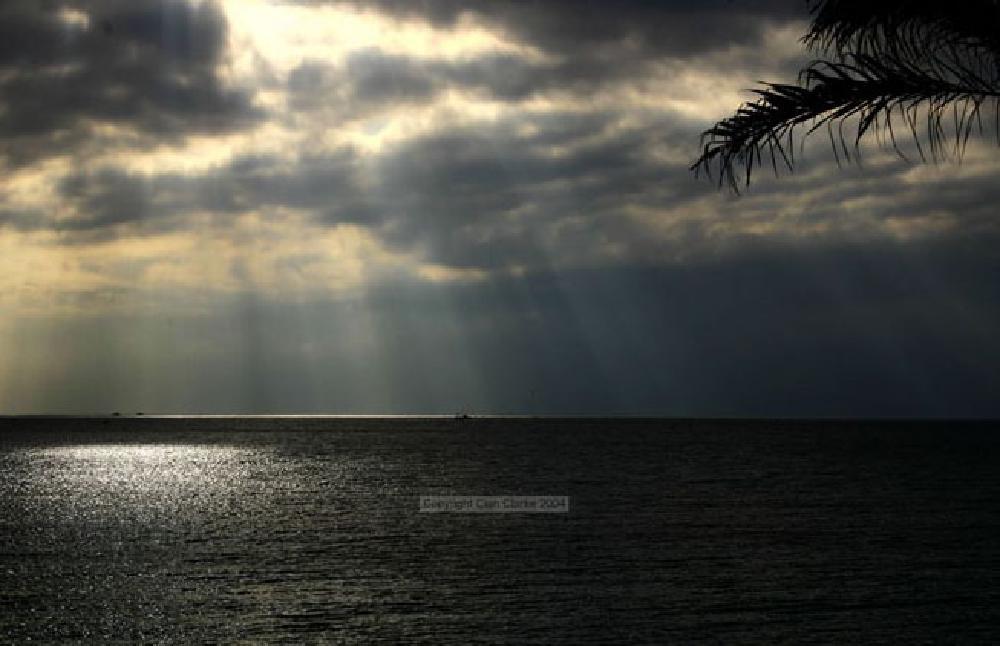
x=442, y=206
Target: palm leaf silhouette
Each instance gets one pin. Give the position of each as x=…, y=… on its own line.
x=927, y=67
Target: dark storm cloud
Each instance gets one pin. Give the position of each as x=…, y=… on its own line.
x=108, y=202
x=371, y=80
x=368, y=81
x=488, y=197
x=148, y=65
x=589, y=45
x=676, y=28
x=21, y=220
x=104, y=199
x=104, y=204
x=865, y=193
x=322, y=184
x=491, y=197
x=535, y=191
x=563, y=190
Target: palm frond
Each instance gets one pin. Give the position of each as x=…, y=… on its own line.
x=903, y=60
x=873, y=90
x=913, y=28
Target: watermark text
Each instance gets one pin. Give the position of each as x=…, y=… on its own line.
x=494, y=504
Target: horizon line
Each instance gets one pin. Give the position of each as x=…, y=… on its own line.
x=498, y=416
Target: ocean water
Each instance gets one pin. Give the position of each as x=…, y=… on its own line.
x=308, y=531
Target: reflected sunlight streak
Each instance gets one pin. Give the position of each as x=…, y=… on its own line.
x=139, y=478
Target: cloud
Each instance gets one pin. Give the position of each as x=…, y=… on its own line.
x=368, y=82
x=577, y=48
x=539, y=182
x=647, y=28
x=150, y=67
x=537, y=192
x=108, y=202
x=490, y=197
x=104, y=199
x=511, y=194
x=506, y=220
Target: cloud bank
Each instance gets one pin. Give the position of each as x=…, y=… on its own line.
x=514, y=174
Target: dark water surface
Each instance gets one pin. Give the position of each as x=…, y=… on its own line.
x=307, y=531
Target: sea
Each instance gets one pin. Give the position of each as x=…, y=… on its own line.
x=292, y=530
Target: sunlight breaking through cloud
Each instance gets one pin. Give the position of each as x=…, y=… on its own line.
x=388, y=188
